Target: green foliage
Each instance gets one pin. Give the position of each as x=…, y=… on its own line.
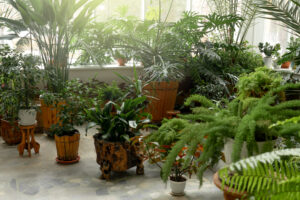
x=268, y=49
x=96, y=44
x=258, y=83
x=274, y=175
x=118, y=123
x=110, y=93
x=249, y=125
x=292, y=53
x=54, y=26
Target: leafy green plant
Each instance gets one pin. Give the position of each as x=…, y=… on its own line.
x=268, y=49
x=292, y=53
x=110, y=93
x=122, y=54
x=121, y=125
x=163, y=71
x=54, y=31
x=258, y=83
x=272, y=175
x=210, y=125
x=286, y=12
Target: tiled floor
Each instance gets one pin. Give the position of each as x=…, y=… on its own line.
x=39, y=177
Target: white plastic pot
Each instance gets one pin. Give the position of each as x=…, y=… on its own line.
x=228, y=148
x=268, y=62
x=27, y=117
x=177, y=188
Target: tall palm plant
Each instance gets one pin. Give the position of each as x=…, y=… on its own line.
x=285, y=11
x=54, y=25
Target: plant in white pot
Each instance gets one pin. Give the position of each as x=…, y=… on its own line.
x=269, y=51
x=28, y=92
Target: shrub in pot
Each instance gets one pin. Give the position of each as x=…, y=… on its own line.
x=163, y=85
x=71, y=114
x=269, y=51
x=159, y=144
x=292, y=56
x=28, y=92
x=272, y=175
x=114, y=144
x=122, y=56
x=10, y=62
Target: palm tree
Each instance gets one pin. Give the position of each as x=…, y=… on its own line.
x=55, y=25
x=285, y=11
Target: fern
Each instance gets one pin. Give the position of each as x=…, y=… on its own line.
x=268, y=176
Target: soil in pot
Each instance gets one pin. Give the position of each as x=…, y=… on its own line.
x=67, y=147
x=177, y=185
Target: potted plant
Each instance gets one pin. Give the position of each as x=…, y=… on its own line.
x=272, y=175
x=116, y=131
x=164, y=81
x=159, y=144
x=269, y=51
x=122, y=56
x=28, y=92
x=291, y=57
x=10, y=62
x=71, y=114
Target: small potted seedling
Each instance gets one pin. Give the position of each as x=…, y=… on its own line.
x=122, y=56
x=269, y=51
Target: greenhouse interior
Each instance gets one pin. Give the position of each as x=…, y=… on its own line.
x=150, y=99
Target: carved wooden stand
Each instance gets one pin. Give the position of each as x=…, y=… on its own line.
x=117, y=157
x=28, y=141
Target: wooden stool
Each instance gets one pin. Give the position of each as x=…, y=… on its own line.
x=28, y=141
x=172, y=113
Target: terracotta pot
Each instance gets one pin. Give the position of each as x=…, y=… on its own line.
x=286, y=65
x=121, y=61
x=10, y=132
x=229, y=194
x=49, y=115
x=164, y=94
x=118, y=157
x=67, y=148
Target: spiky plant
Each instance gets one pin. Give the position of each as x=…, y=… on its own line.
x=273, y=176
x=285, y=11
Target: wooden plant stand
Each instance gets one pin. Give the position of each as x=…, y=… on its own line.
x=28, y=142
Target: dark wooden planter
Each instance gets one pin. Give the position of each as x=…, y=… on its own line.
x=118, y=157
x=229, y=194
x=67, y=148
x=10, y=132
x=164, y=100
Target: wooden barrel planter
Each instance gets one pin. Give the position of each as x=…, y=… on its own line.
x=164, y=100
x=118, y=157
x=49, y=115
x=67, y=148
x=229, y=194
x=10, y=132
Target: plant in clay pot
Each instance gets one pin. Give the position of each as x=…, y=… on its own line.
x=117, y=130
x=268, y=50
x=122, y=56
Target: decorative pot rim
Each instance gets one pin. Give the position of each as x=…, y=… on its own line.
x=76, y=133
x=226, y=189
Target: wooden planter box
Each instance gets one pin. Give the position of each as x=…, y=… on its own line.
x=164, y=100
x=49, y=115
x=10, y=132
x=67, y=148
x=118, y=157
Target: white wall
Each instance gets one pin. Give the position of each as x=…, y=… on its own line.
x=105, y=74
